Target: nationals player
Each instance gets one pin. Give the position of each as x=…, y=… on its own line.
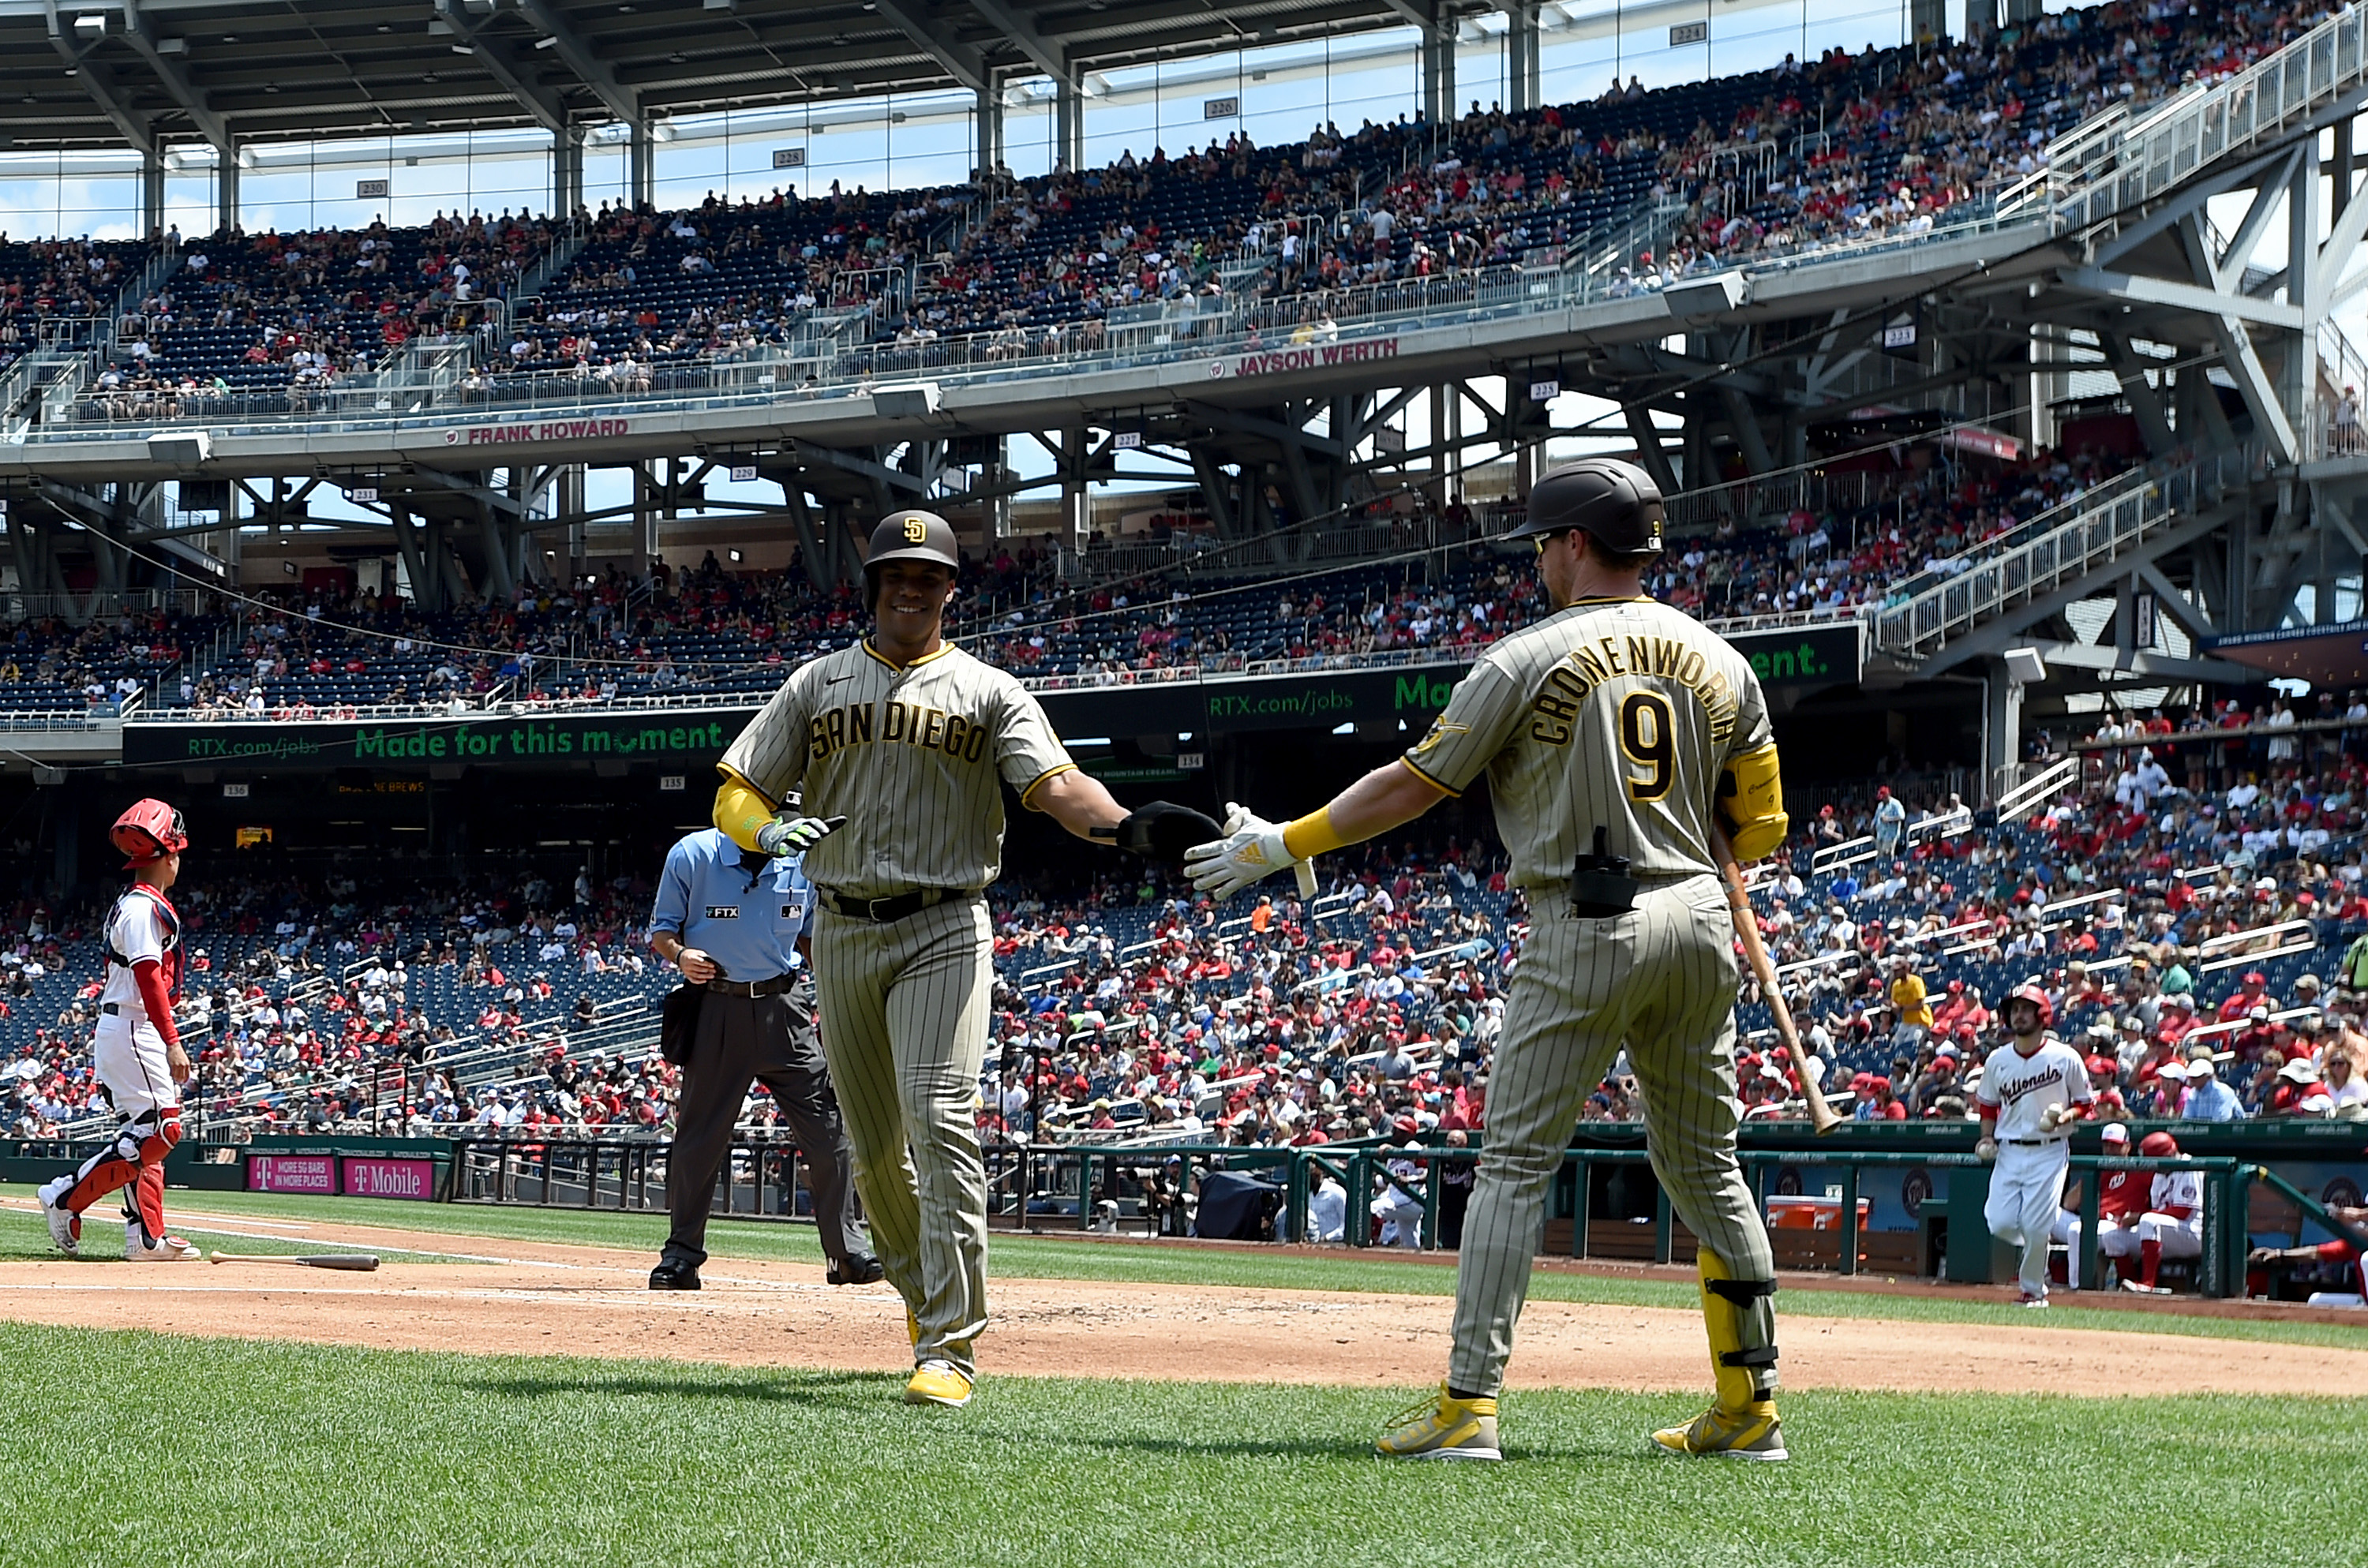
x=910, y=741
x=2121, y=1198
x=1617, y=734
x=2172, y=1225
x=134, y=1049
x=2030, y=1098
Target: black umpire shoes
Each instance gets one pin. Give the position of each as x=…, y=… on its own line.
x=674, y=1277
x=862, y=1269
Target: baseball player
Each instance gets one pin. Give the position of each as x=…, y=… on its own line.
x=2030, y=1098
x=2121, y=1198
x=1619, y=737
x=2172, y=1225
x=910, y=740
x=135, y=1049
x=734, y=920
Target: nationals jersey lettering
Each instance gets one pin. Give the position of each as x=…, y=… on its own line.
x=1614, y=713
x=914, y=758
x=2020, y=1087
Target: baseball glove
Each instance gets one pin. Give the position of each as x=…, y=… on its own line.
x=1162, y=831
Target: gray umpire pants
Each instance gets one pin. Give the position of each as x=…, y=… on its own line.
x=904, y=1011
x=1661, y=978
x=768, y=1039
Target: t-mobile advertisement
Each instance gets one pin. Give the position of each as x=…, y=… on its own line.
x=292, y=1173
x=375, y=1177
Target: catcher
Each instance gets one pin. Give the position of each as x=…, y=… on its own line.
x=135, y=1049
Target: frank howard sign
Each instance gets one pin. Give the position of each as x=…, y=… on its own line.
x=543, y=430
x=1303, y=357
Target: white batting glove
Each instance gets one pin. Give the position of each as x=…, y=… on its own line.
x=1250, y=851
x=792, y=835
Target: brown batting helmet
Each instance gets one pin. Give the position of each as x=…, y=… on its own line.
x=910, y=535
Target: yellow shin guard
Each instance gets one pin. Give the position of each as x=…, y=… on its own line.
x=1743, y=1374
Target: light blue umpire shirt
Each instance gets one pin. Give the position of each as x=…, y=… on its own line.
x=747, y=921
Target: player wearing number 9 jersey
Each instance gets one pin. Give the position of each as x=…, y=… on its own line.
x=1614, y=735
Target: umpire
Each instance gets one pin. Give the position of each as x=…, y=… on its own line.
x=736, y=922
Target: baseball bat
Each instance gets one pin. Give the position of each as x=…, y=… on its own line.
x=360, y=1262
x=1747, y=930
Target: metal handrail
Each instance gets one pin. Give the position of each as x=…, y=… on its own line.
x=2108, y=523
x=2113, y=165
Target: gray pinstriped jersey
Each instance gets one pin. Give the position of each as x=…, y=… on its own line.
x=1616, y=712
x=913, y=759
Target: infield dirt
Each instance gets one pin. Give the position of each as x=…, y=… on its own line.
x=520, y=1298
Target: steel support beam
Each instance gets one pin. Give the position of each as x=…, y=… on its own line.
x=174, y=79
x=104, y=91
x=966, y=65
x=1048, y=56
x=2143, y=662
x=2013, y=628
x=1522, y=75
x=516, y=77
x=987, y=125
x=588, y=68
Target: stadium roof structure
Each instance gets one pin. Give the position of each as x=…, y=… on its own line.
x=155, y=74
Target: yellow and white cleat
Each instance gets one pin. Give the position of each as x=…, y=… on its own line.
x=1751, y=1433
x=938, y=1382
x=1444, y=1428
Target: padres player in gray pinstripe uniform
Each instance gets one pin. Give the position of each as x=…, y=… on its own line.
x=1613, y=733
x=910, y=740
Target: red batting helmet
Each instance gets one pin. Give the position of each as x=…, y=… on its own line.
x=147, y=833
x=2037, y=998
x=2158, y=1147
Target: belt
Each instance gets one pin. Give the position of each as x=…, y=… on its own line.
x=895, y=907
x=772, y=987
x=2031, y=1142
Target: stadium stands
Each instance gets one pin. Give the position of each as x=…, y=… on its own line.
x=1148, y=1018
x=1770, y=165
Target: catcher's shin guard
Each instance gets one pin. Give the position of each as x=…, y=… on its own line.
x=136, y=1159
x=1742, y=1327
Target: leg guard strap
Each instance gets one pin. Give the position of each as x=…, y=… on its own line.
x=1742, y=1292
x=1758, y=1355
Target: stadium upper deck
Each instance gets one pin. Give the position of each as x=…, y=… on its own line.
x=1737, y=253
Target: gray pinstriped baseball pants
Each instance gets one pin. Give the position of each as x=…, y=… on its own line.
x=904, y=1017
x=1663, y=979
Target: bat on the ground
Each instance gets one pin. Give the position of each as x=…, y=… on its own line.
x=1747, y=930
x=362, y=1262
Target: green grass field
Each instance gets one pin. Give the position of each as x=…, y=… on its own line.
x=1044, y=1257
x=133, y=1447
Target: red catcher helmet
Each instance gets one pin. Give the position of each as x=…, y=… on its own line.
x=2158, y=1147
x=2037, y=998
x=147, y=833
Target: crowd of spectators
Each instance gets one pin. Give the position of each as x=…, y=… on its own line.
x=1798, y=158
x=45, y=284
x=294, y=315
x=322, y=652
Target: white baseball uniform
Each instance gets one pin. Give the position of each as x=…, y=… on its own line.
x=2027, y=1183
x=2174, y=1216
x=126, y=1050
